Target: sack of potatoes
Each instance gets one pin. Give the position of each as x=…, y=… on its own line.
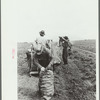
x=46, y=84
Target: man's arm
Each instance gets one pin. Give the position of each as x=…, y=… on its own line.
x=50, y=64
x=37, y=63
x=70, y=45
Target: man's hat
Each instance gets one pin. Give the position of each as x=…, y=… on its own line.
x=42, y=32
x=65, y=37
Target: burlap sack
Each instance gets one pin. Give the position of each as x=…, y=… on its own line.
x=46, y=84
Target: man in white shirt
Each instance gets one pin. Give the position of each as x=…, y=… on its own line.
x=41, y=39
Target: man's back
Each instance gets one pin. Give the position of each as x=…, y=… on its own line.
x=41, y=40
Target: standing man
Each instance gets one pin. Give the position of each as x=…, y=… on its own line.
x=41, y=38
x=44, y=61
x=65, y=45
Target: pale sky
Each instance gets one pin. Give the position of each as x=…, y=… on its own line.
x=78, y=19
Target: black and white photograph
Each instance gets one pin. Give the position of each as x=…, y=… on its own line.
x=52, y=50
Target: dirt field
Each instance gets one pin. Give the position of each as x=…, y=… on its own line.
x=89, y=45
x=75, y=81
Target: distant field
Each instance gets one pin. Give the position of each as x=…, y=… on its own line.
x=89, y=45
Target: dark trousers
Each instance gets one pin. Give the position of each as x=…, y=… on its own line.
x=65, y=56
